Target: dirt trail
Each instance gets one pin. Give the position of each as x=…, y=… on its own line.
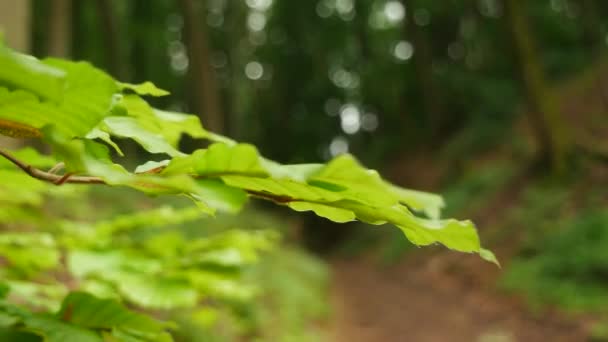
x=437, y=297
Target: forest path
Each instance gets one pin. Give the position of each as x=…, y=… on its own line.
x=436, y=297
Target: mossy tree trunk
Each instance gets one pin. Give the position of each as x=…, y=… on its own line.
x=544, y=114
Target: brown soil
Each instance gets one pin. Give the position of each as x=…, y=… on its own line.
x=434, y=295
x=435, y=298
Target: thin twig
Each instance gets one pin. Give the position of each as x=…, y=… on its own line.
x=51, y=177
x=60, y=166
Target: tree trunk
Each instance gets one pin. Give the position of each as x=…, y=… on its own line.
x=237, y=101
x=15, y=24
x=423, y=60
x=204, y=84
x=549, y=127
x=15, y=31
x=592, y=21
x=111, y=37
x=60, y=30
x=594, y=37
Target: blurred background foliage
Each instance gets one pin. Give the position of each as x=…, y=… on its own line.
x=501, y=105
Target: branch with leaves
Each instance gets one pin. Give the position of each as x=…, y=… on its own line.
x=78, y=111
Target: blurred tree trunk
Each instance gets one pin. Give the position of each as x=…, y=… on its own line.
x=15, y=23
x=361, y=23
x=15, y=29
x=113, y=50
x=203, y=81
x=138, y=24
x=59, y=28
x=423, y=60
x=592, y=21
x=238, y=124
x=362, y=27
x=594, y=37
x=544, y=114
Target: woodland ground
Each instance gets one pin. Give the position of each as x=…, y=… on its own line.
x=434, y=295
x=437, y=298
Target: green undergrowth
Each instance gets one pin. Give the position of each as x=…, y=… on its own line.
x=292, y=304
x=255, y=286
x=471, y=192
x=562, y=259
x=568, y=268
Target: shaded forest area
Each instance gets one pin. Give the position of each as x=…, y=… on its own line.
x=499, y=105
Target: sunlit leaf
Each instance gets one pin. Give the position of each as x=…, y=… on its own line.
x=145, y=88
x=28, y=73
x=90, y=312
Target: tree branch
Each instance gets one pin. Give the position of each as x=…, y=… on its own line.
x=56, y=179
x=49, y=176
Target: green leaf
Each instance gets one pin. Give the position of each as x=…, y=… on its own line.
x=217, y=195
x=175, y=124
x=489, y=256
x=128, y=127
x=135, y=277
x=4, y=290
x=145, y=88
x=162, y=216
x=43, y=296
x=29, y=252
x=85, y=100
x=28, y=73
x=17, y=335
x=231, y=249
x=97, y=133
x=87, y=311
x=109, y=264
x=332, y=213
x=222, y=159
x=220, y=285
x=430, y=204
x=46, y=326
x=52, y=330
x=170, y=125
x=157, y=292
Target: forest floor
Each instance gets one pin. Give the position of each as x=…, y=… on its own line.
x=434, y=295
x=435, y=298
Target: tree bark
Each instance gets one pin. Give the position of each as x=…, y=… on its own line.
x=60, y=30
x=15, y=24
x=109, y=26
x=204, y=84
x=594, y=37
x=423, y=61
x=549, y=127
